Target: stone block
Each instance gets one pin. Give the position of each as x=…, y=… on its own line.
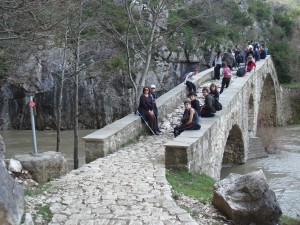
x=256, y=149
x=11, y=198
x=247, y=199
x=44, y=166
x=2, y=147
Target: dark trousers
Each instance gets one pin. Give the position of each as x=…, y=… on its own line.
x=206, y=112
x=217, y=72
x=151, y=120
x=182, y=127
x=225, y=83
x=191, y=86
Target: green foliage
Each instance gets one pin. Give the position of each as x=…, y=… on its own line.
x=116, y=62
x=45, y=212
x=195, y=185
x=260, y=9
x=239, y=17
x=286, y=21
x=282, y=55
x=38, y=190
x=284, y=220
x=277, y=33
x=291, y=85
x=115, y=15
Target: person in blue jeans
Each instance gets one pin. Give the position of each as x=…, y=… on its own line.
x=189, y=121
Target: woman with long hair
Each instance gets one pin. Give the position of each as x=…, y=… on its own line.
x=146, y=109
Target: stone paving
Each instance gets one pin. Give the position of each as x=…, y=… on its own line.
x=127, y=187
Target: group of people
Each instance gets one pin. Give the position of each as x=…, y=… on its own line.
x=223, y=65
x=194, y=110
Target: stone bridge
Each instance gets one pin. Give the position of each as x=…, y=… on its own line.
x=229, y=137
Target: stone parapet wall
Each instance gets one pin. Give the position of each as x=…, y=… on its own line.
x=111, y=137
x=225, y=138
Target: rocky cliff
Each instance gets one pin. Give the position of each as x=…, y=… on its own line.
x=105, y=91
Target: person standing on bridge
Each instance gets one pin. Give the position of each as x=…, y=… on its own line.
x=189, y=121
x=226, y=76
x=208, y=109
x=217, y=63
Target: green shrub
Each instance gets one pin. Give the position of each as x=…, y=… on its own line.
x=282, y=55
x=277, y=33
x=260, y=9
x=116, y=62
x=286, y=21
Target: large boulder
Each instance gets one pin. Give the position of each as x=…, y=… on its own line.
x=11, y=198
x=2, y=147
x=44, y=166
x=247, y=199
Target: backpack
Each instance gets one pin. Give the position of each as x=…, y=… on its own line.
x=239, y=58
x=241, y=71
x=217, y=105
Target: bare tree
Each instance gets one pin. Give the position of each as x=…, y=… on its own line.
x=140, y=36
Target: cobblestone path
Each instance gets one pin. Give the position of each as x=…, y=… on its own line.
x=128, y=187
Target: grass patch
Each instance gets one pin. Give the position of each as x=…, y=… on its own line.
x=198, y=186
x=285, y=220
x=38, y=190
x=291, y=85
x=45, y=212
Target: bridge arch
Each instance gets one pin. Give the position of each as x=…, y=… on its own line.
x=234, y=151
x=267, y=112
x=251, y=113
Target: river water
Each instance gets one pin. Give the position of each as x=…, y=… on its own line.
x=20, y=142
x=282, y=169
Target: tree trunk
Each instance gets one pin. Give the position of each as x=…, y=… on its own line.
x=60, y=96
x=76, y=84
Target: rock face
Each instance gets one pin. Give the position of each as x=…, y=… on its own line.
x=2, y=147
x=44, y=166
x=11, y=198
x=247, y=199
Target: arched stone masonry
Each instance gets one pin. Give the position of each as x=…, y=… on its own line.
x=267, y=106
x=234, y=148
x=251, y=115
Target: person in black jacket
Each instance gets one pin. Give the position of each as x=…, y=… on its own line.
x=146, y=109
x=194, y=102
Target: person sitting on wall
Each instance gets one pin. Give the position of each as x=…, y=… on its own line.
x=187, y=81
x=146, y=109
x=250, y=64
x=213, y=91
x=189, y=121
x=155, y=110
x=208, y=109
x=194, y=102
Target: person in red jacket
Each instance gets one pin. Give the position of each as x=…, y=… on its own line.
x=250, y=64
